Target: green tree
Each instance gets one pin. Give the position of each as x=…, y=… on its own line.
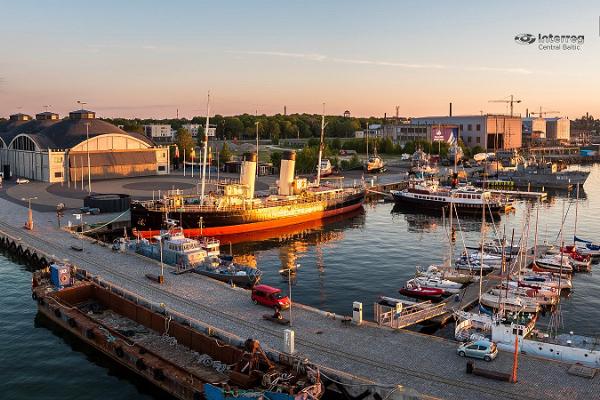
x=233, y=127
x=276, y=158
x=225, y=154
x=185, y=142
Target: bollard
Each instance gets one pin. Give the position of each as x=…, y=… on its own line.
x=357, y=312
x=288, y=341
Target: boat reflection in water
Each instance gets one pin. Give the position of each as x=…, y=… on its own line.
x=310, y=232
x=424, y=221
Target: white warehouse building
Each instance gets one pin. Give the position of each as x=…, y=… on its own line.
x=53, y=150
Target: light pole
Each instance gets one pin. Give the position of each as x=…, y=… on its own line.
x=87, y=135
x=161, y=278
x=29, y=223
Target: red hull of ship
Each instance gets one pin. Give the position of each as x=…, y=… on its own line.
x=256, y=226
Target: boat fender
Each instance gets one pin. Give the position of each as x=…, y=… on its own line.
x=34, y=295
x=89, y=333
x=72, y=322
x=140, y=364
x=119, y=352
x=159, y=375
x=57, y=313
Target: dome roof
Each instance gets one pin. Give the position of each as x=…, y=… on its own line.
x=63, y=134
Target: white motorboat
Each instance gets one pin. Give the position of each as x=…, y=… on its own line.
x=541, y=297
x=444, y=272
x=509, y=302
x=489, y=259
x=547, y=279
x=448, y=286
x=556, y=263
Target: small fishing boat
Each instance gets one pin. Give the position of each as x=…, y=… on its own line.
x=225, y=270
x=412, y=289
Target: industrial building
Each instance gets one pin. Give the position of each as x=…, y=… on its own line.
x=51, y=149
x=490, y=131
x=558, y=129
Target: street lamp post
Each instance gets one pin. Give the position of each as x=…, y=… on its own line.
x=161, y=278
x=29, y=223
x=87, y=134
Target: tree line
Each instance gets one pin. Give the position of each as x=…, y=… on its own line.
x=273, y=127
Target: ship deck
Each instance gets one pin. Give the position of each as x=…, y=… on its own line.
x=366, y=354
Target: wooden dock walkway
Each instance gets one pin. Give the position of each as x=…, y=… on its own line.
x=521, y=194
x=364, y=357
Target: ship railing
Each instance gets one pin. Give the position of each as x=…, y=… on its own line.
x=154, y=206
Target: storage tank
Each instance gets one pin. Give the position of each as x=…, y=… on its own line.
x=248, y=173
x=286, y=173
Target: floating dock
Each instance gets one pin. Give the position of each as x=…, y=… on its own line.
x=367, y=360
x=521, y=194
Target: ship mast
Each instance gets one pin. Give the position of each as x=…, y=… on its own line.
x=321, y=146
x=205, y=149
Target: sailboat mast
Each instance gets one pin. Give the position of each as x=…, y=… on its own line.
x=205, y=149
x=576, y=212
x=321, y=146
x=482, y=243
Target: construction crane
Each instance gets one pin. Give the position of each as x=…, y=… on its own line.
x=510, y=100
x=541, y=114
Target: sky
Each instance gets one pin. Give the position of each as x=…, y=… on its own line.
x=148, y=59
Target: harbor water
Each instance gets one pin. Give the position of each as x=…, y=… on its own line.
x=370, y=254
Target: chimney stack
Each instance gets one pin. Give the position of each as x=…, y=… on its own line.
x=450, y=109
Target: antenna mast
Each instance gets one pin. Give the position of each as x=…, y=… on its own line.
x=321, y=146
x=205, y=148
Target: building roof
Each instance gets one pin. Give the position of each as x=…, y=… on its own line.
x=66, y=133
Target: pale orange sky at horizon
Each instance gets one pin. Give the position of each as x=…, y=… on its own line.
x=127, y=63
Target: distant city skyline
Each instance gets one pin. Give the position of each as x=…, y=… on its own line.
x=149, y=59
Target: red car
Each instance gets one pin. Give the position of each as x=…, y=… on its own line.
x=270, y=297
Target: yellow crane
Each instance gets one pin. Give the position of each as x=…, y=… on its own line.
x=543, y=113
x=510, y=100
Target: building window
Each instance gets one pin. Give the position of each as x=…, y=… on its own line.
x=478, y=127
x=469, y=139
x=161, y=168
x=462, y=127
x=469, y=127
x=58, y=174
x=478, y=139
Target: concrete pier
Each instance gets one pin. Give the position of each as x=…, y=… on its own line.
x=427, y=364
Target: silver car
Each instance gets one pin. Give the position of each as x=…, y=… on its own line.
x=480, y=349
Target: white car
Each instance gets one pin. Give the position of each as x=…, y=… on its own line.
x=21, y=181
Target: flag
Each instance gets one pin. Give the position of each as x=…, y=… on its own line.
x=451, y=137
x=193, y=153
x=176, y=151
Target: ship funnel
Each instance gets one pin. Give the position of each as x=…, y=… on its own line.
x=248, y=173
x=286, y=173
